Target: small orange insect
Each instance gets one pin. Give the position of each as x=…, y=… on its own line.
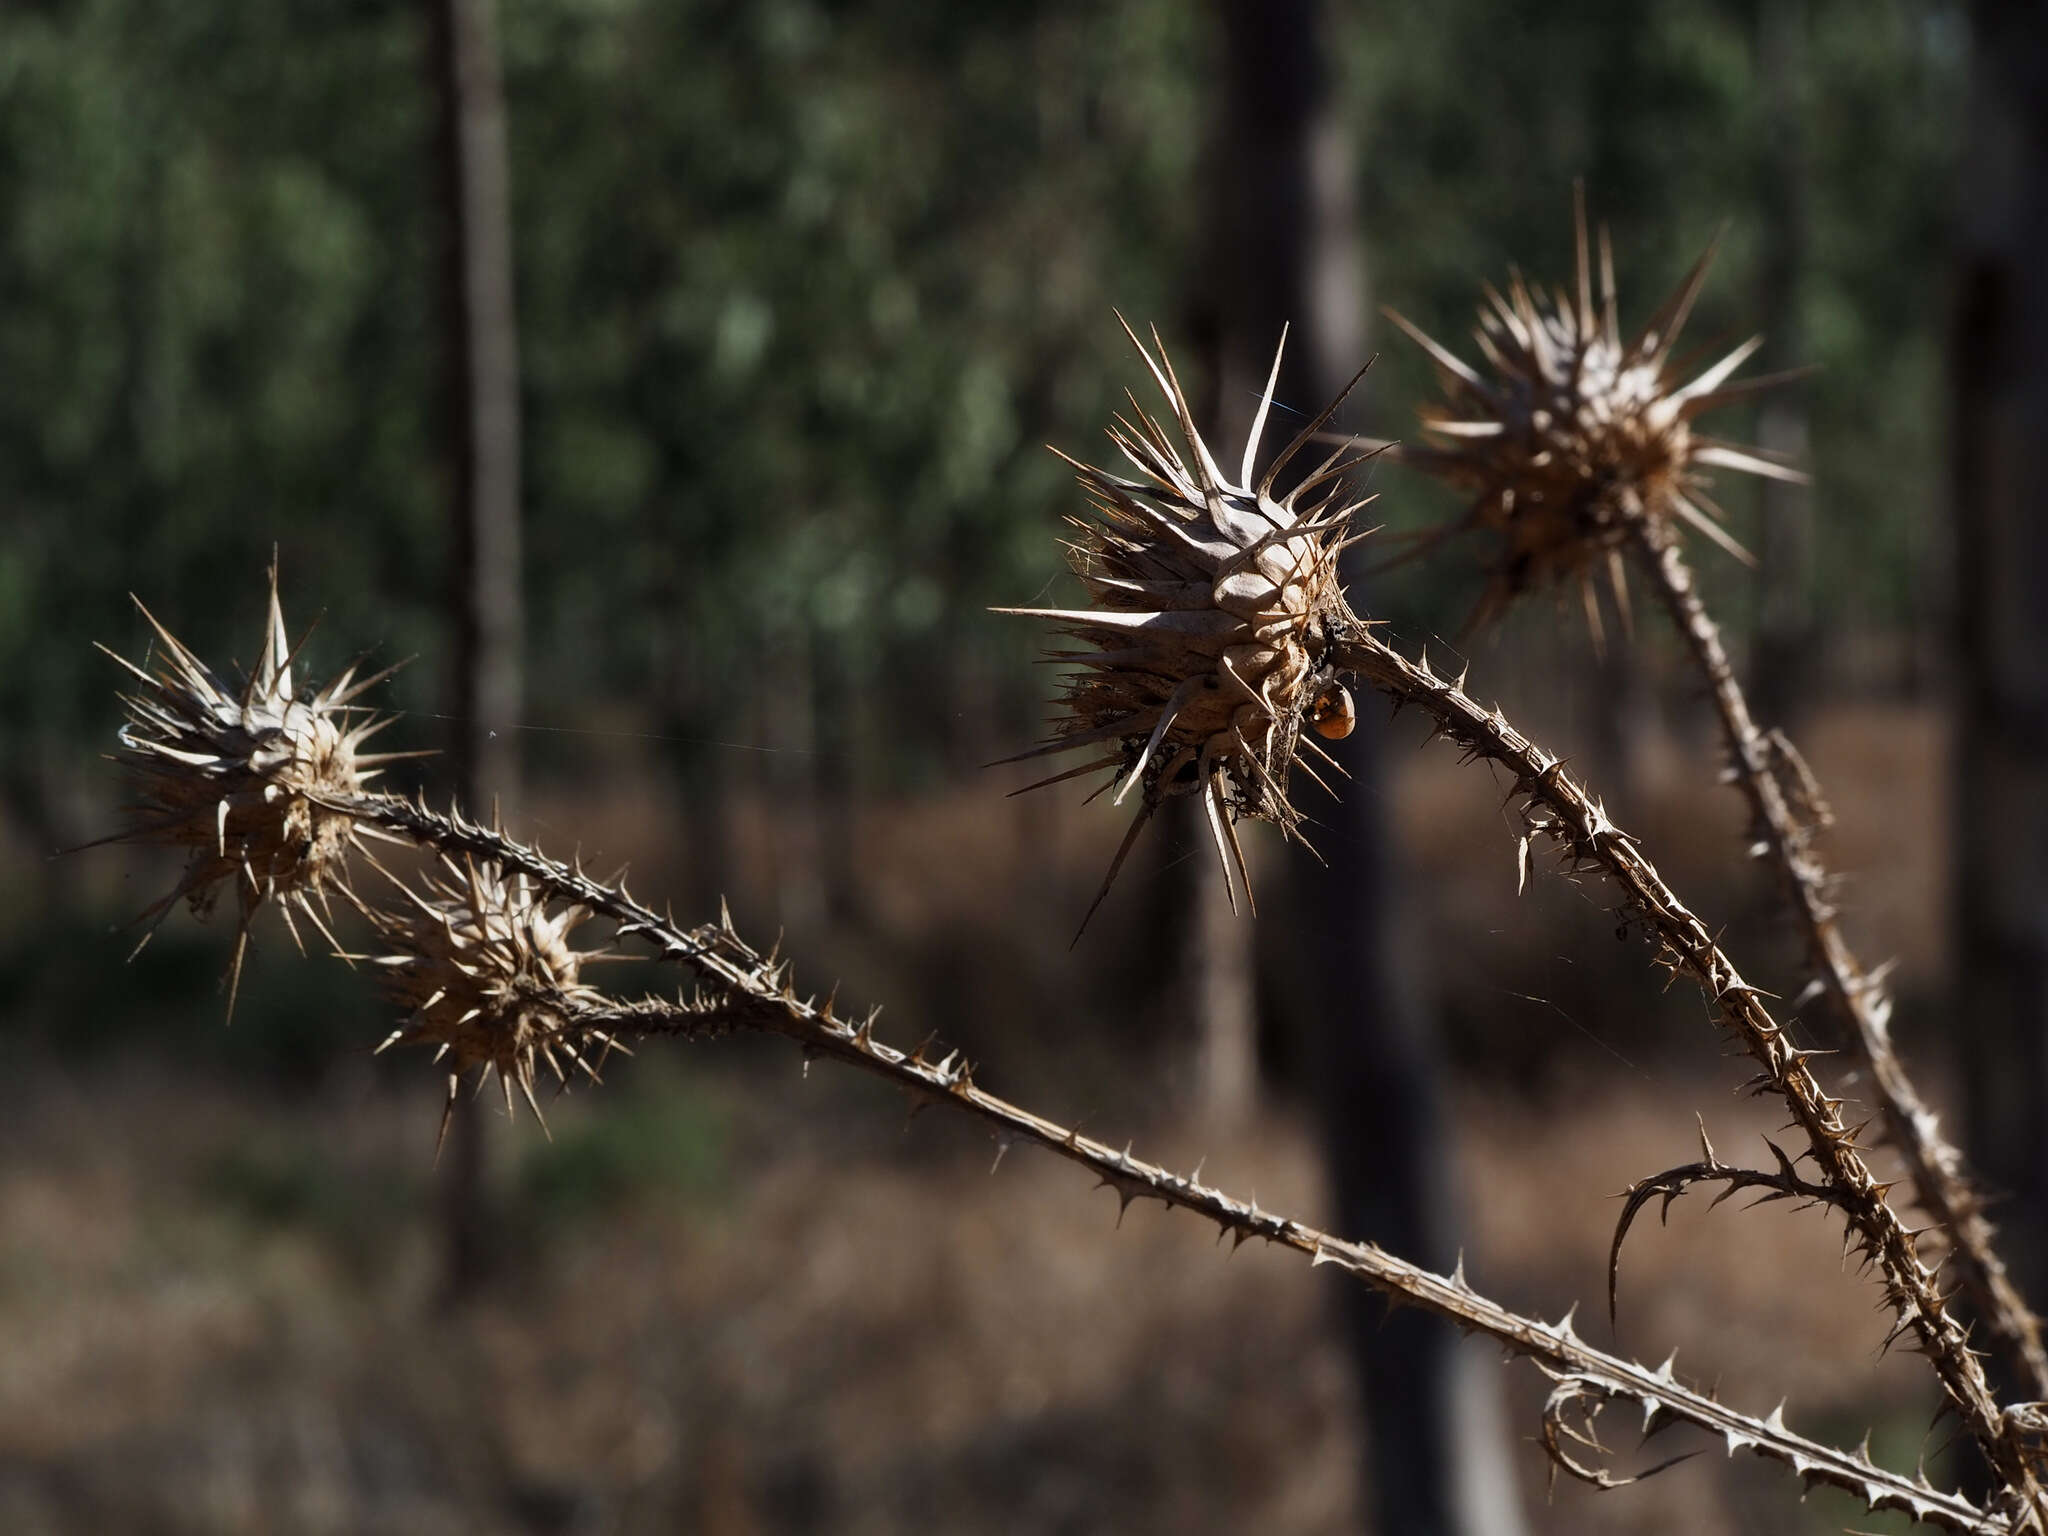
x=1332, y=713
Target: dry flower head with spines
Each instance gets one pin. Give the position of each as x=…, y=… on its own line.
x=234, y=776
x=1572, y=429
x=1216, y=597
x=483, y=965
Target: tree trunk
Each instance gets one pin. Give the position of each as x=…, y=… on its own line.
x=1783, y=660
x=483, y=416
x=1437, y=1458
x=1620, y=704
x=2001, y=490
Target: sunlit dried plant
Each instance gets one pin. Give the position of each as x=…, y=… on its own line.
x=481, y=961
x=233, y=776
x=1580, y=449
x=1206, y=655
x=1572, y=429
x=481, y=958
x=1222, y=630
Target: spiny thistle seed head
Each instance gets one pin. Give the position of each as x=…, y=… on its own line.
x=234, y=776
x=1571, y=430
x=488, y=977
x=1216, y=601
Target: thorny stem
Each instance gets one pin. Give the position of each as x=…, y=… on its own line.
x=1784, y=1184
x=1556, y=807
x=754, y=992
x=1856, y=998
x=1582, y=1371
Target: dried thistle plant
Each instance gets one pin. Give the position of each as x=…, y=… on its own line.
x=234, y=777
x=1206, y=655
x=1554, y=808
x=482, y=958
x=1567, y=414
x=1581, y=450
x=482, y=963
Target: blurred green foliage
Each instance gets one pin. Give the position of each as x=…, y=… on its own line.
x=803, y=287
x=68, y=993
x=269, y=1180
x=659, y=1135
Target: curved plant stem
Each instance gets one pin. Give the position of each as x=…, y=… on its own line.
x=1856, y=998
x=1557, y=809
x=754, y=992
x=1582, y=1372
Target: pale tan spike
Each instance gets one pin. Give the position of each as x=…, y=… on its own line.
x=1571, y=436
x=241, y=779
x=1214, y=599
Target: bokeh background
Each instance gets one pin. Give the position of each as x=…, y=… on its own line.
x=734, y=333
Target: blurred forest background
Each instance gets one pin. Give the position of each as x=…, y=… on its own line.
x=801, y=290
